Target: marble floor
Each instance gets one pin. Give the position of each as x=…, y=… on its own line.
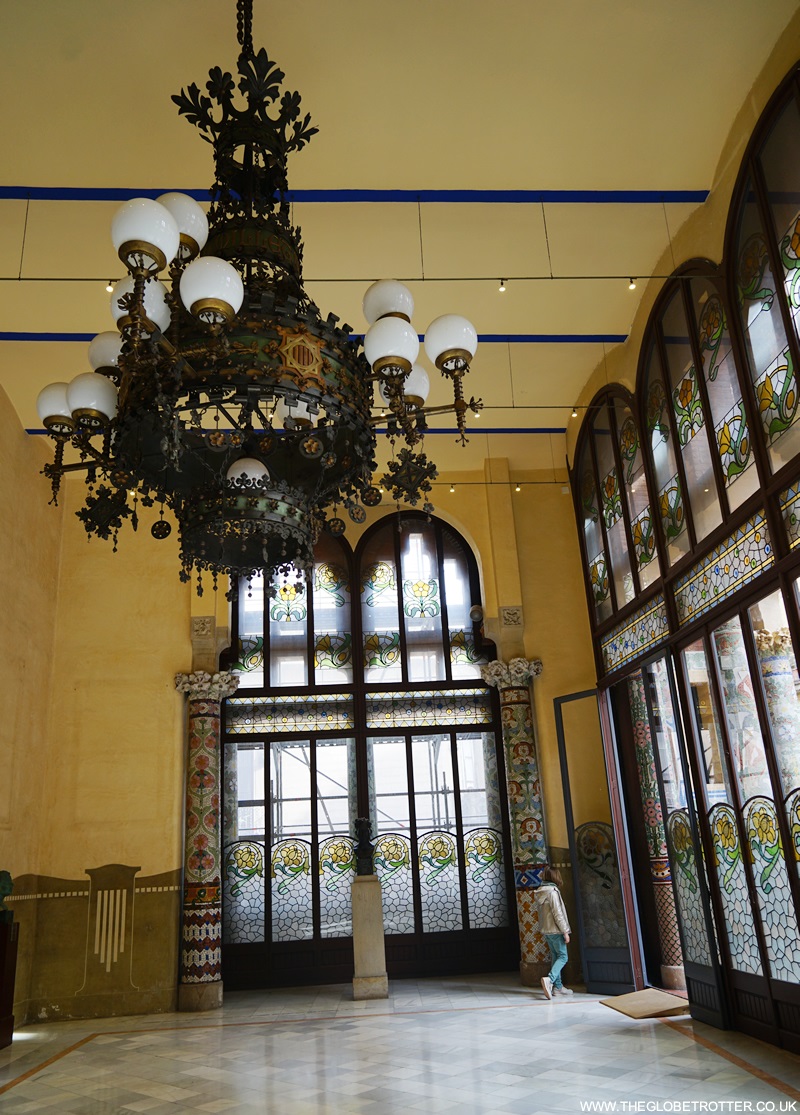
x=479, y=1044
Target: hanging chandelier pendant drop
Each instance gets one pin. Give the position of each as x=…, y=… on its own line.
x=226, y=397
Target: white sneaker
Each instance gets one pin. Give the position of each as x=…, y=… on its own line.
x=562, y=991
x=547, y=986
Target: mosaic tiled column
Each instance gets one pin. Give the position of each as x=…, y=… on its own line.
x=672, y=973
x=200, y=984
x=526, y=811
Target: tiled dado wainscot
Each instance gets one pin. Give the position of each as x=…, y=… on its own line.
x=97, y=946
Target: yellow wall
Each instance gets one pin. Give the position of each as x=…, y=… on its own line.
x=29, y=555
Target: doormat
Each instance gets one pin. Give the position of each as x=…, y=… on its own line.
x=649, y=1003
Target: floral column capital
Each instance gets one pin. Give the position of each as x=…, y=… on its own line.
x=201, y=686
x=514, y=674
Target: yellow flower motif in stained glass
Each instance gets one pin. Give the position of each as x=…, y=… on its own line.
x=423, y=589
x=287, y=593
x=724, y=439
x=339, y=852
x=245, y=857
x=725, y=832
x=686, y=392
x=766, y=395
x=292, y=856
x=484, y=844
x=790, y=400
x=610, y=485
x=795, y=241
x=663, y=503
x=638, y=534
x=764, y=826
x=681, y=838
x=393, y=850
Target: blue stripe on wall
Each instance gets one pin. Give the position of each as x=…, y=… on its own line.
x=483, y=338
x=504, y=197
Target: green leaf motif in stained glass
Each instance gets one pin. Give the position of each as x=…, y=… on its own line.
x=332, y=579
x=588, y=498
x=643, y=538
x=629, y=447
x=733, y=443
x=657, y=421
x=333, y=650
x=752, y=267
x=381, y=648
x=463, y=649
x=670, y=503
x=598, y=575
x=337, y=861
x=392, y=854
x=790, y=253
x=421, y=598
x=711, y=330
x=688, y=407
x=243, y=861
x=288, y=605
x=290, y=859
x=612, y=501
x=376, y=579
x=251, y=654
x=438, y=851
x=776, y=393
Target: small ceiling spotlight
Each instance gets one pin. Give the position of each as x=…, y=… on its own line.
x=631, y=284
x=518, y=488
x=574, y=412
x=452, y=487
x=109, y=286
x=502, y=287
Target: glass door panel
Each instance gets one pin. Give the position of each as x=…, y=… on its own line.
x=437, y=833
x=290, y=852
x=336, y=804
x=720, y=806
x=391, y=830
x=749, y=765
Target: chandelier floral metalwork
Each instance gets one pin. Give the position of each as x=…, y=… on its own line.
x=224, y=396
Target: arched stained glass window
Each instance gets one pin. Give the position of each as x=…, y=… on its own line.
x=614, y=507
x=364, y=703
x=661, y=444
x=767, y=279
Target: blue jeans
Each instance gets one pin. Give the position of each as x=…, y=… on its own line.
x=558, y=951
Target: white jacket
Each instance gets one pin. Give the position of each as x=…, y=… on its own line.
x=551, y=910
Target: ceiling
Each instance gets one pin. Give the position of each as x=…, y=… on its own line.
x=557, y=146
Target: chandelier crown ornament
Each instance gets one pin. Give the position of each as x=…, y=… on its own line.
x=225, y=397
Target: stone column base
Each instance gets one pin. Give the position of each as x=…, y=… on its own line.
x=200, y=996
x=530, y=974
x=673, y=977
x=370, y=987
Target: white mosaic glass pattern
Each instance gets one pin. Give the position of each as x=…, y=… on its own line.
x=414, y=709
x=245, y=715
x=391, y=859
x=337, y=869
x=486, y=891
x=243, y=893
x=439, y=884
x=735, y=562
x=772, y=888
x=687, y=888
x=292, y=917
x=739, y=925
x=646, y=628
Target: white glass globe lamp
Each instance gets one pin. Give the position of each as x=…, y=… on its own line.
x=297, y=411
x=145, y=235
x=104, y=350
x=156, y=309
x=54, y=411
x=391, y=346
x=191, y=221
x=387, y=297
x=248, y=468
x=212, y=290
x=92, y=400
x=451, y=342
x=416, y=386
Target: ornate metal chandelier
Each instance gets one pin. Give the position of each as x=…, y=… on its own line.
x=224, y=396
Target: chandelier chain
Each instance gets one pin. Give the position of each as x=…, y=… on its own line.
x=244, y=26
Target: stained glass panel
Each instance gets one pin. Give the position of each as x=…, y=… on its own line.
x=742, y=940
x=392, y=863
x=289, y=714
x=440, y=886
x=292, y=911
x=415, y=709
x=465, y=658
x=662, y=451
x=243, y=892
x=601, y=894
x=771, y=366
x=337, y=869
x=333, y=641
x=422, y=603
x=781, y=685
x=593, y=538
x=790, y=510
x=636, y=488
x=772, y=888
x=616, y=537
x=646, y=628
x=687, y=888
x=486, y=892
x=380, y=614
x=731, y=564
